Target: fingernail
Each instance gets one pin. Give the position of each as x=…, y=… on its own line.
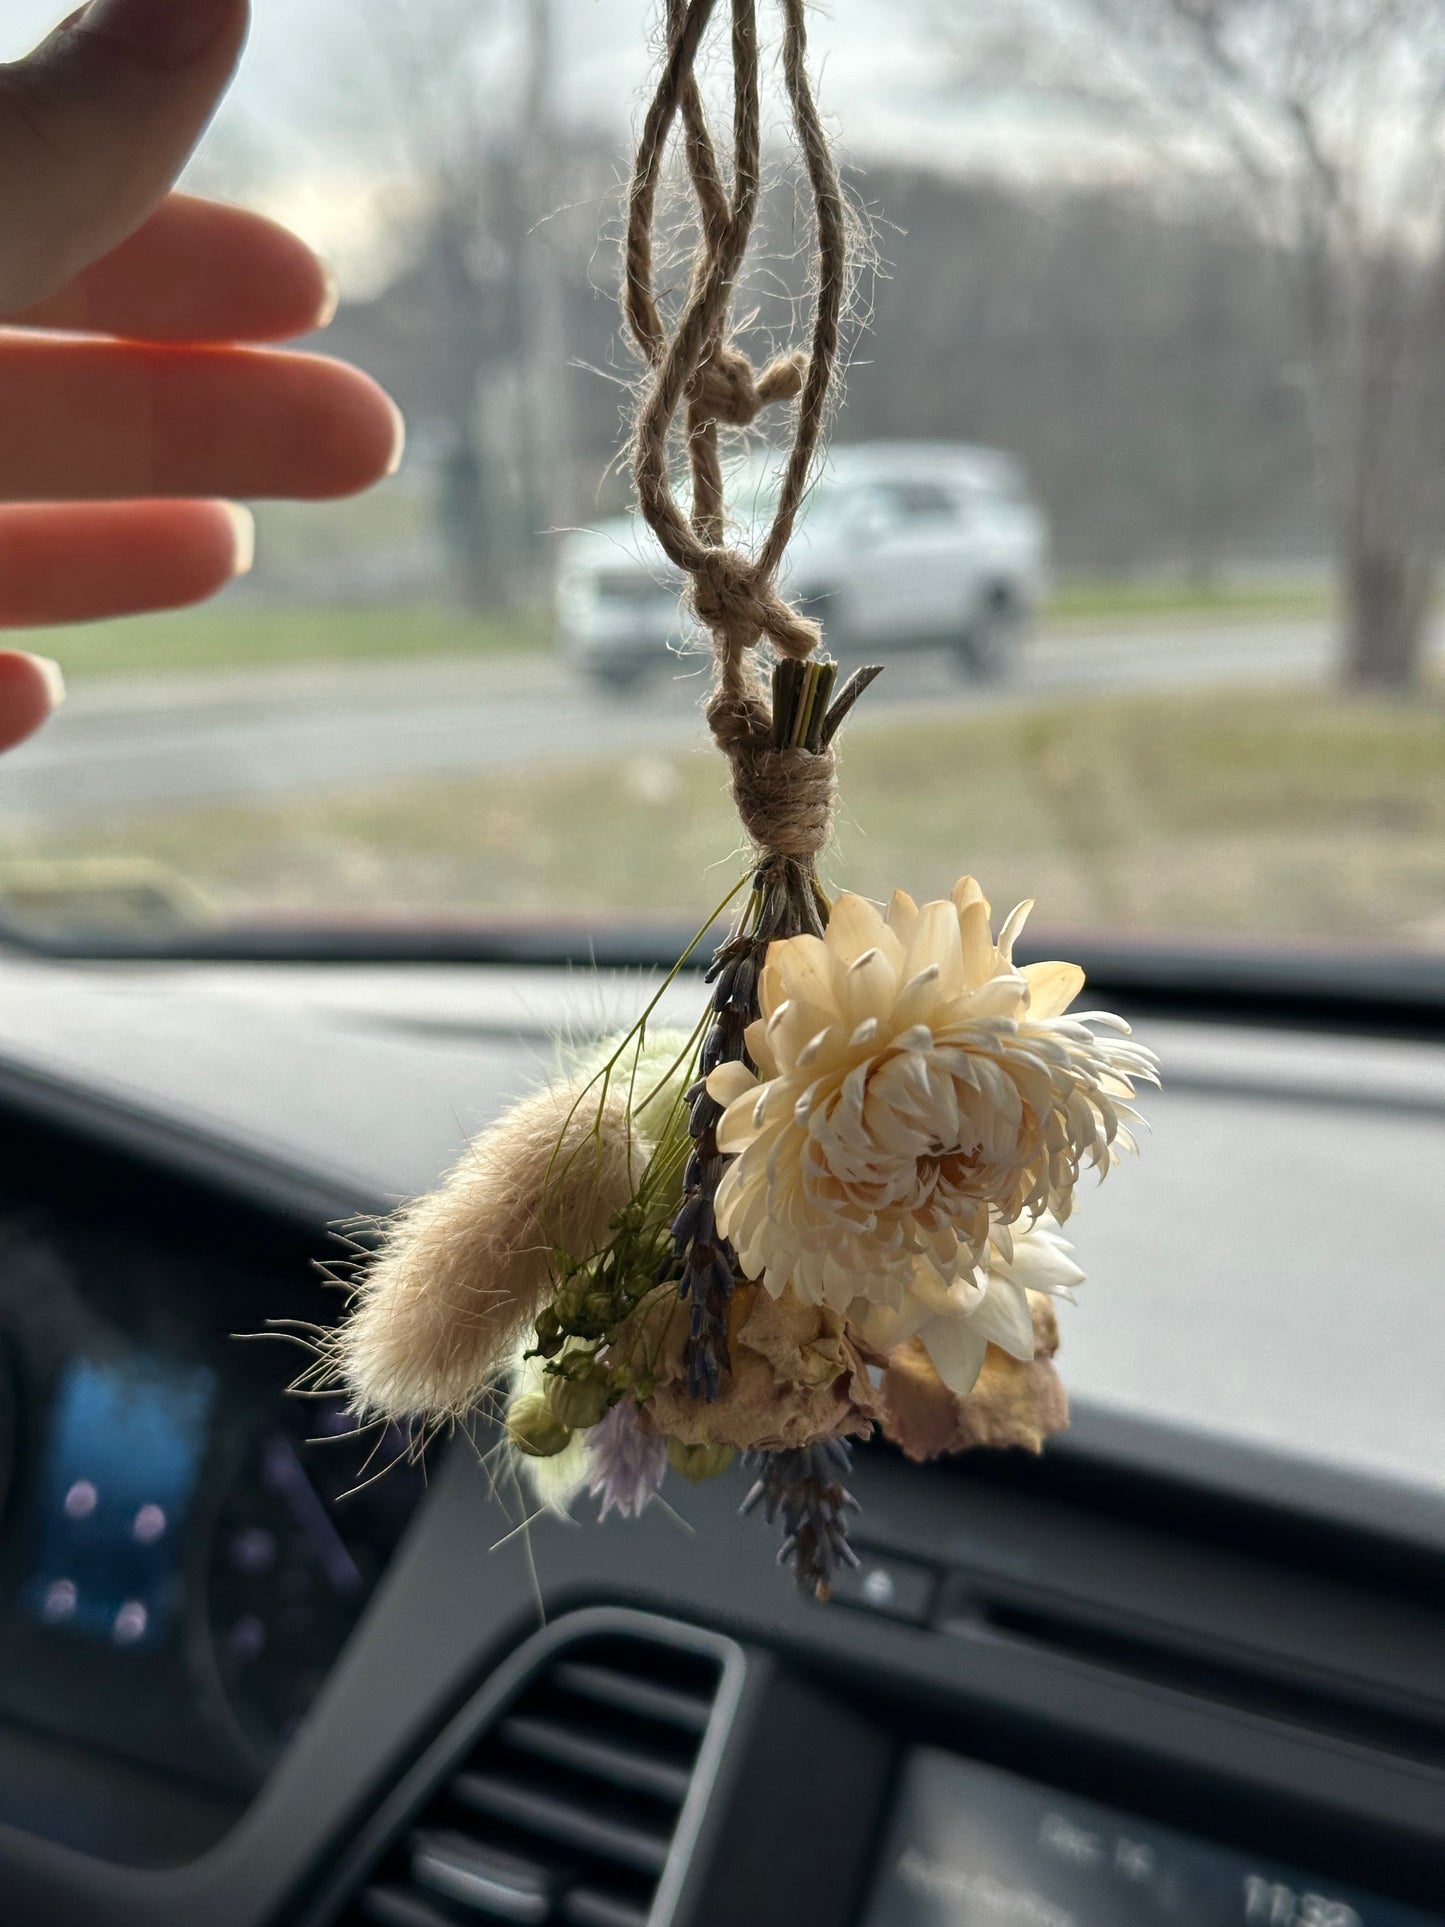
x=167, y=33
x=398, y=446
x=54, y=678
x=330, y=300
x=243, y=522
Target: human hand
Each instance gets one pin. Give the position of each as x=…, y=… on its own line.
x=134, y=396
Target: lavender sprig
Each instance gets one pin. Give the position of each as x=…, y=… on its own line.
x=804, y=1488
x=709, y=1265
x=784, y=902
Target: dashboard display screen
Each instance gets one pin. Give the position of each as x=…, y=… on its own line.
x=972, y=1846
x=123, y=1453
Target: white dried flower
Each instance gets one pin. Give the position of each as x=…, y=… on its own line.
x=917, y=1096
x=956, y=1324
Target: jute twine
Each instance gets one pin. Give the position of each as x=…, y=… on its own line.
x=698, y=379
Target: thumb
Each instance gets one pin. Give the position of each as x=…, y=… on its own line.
x=95, y=126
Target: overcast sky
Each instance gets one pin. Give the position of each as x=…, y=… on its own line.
x=882, y=85
x=879, y=66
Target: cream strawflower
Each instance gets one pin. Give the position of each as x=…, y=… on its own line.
x=917, y=1095
x=956, y=1324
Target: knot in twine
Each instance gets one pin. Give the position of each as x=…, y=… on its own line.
x=726, y=388
x=785, y=797
x=739, y=606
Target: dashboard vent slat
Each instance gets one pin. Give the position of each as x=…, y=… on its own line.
x=456, y=1868
x=1183, y=1661
x=631, y=1695
x=563, y=1812
x=620, y=1765
x=566, y=1821
x=583, y=1908
x=395, y=1907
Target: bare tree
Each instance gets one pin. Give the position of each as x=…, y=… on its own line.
x=1330, y=115
x=1134, y=353
x=466, y=88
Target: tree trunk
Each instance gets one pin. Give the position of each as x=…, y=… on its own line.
x=469, y=529
x=1387, y=594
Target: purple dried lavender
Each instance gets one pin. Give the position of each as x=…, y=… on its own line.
x=804, y=1488
x=709, y=1268
x=625, y=1465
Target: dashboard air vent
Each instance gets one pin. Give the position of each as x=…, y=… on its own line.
x=563, y=1814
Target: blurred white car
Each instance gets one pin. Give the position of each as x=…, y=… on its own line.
x=901, y=545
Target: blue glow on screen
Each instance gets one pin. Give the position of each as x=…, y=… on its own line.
x=120, y=1467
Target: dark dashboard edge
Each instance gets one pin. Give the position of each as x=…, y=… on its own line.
x=1288, y=987
x=185, y=1146
x=1255, y=1474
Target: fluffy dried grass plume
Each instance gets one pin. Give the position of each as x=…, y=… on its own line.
x=462, y=1272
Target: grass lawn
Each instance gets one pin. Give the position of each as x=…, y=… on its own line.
x=234, y=634
x=1145, y=600
x=1287, y=813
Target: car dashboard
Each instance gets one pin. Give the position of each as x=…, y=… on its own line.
x=259, y=1668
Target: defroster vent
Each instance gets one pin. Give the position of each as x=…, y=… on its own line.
x=566, y=1809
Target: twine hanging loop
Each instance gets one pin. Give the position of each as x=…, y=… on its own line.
x=698, y=380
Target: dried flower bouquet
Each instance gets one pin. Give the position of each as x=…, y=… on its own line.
x=834, y=1208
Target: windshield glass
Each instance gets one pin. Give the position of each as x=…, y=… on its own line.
x=1135, y=494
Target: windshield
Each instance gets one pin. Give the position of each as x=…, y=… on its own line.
x=1135, y=495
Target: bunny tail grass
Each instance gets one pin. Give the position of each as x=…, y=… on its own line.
x=461, y=1273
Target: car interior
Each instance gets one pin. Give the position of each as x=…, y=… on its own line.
x=1185, y=1666
x=302, y=894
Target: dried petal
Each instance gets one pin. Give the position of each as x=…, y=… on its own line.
x=1013, y=1404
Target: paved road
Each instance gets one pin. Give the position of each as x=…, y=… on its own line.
x=140, y=745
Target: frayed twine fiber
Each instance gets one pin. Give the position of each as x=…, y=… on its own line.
x=462, y=1272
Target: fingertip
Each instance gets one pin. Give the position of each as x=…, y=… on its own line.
x=354, y=433
x=31, y=688
x=295, y=293
x=202, y=546
x=166, y=36
x=205, y=271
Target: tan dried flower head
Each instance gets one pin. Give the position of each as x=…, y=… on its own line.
x=796, y=1376
x=1015, y=1404
x=917, y=1095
